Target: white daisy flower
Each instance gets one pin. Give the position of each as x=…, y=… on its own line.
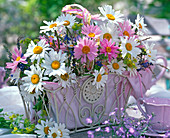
x=151, y=53
x=51, y=26
x=129, y=46
x=33, y=79
x=109, y=31
x=54, y=63
x=68, y=20
x=59, y=131
x=140, y=25
x=68, y=78
x=37, y=51
x=44, y=128
x=29, y=96
x=115, y=66
x=99, y=79
x=111, y=15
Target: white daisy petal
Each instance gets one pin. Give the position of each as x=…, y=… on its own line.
x=99, y=79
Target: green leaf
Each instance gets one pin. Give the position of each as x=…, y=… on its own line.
x=1, y=110
x=38, y=105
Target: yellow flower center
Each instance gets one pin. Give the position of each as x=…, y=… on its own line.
x=129, y=65
x=50, y=36
x=18, y=58
x=91, y=35
x=32, y=92
x=128, y=46
x=65, y=77
x=99, y=77
x=38, y=50
x=35, y=79
x=66, y=23
x=55, y=65
x=86, y=49
x=61, y=133
x=54, y=135
x=110, y=17
x=108, y=49
x=53, y=25
x=126, y=33
x=71, y=45
x=46, y=130
x=140, y=26
x=115, y=66
x=107, y=36
x=149, y=53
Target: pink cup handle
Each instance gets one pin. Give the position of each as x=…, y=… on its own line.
x=162, y=71
x=140, y=100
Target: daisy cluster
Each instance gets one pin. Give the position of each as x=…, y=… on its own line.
x=51, y=129
x=78, y=43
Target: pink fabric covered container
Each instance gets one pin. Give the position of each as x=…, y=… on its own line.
x=73, y=105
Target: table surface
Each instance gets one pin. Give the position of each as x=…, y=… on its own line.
x=9, y=103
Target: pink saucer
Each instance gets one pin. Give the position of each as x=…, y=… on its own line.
x=151, y=134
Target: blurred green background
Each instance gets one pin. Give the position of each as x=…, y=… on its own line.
x=24, y=17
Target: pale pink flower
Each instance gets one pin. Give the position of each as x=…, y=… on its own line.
x=85, y=48
x=109, y=49
x=107, y=129
x=91, y=31
x=18, y=57
x=125, y=29
x=89, y=120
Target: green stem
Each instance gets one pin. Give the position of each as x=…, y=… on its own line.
x=56, y=34
x=70, y=35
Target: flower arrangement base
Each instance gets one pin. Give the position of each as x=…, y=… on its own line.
x=82, y=100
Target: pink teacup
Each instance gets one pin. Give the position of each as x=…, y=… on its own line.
x=161, y=109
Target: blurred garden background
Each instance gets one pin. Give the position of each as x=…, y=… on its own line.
x=23, y=18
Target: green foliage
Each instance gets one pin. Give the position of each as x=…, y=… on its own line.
x=155, y=8
x=17, y=123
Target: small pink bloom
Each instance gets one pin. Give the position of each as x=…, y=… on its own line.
x=107, y=129
x=125, y=29
x=109, y=49
x=140, y=46
x=131, y=130
x=89, y=120
x=106, y=122
x=98, y=129
x=112, y=113
x=91, y=31
x=18, y=57
x=85, y=48
x=62, y=46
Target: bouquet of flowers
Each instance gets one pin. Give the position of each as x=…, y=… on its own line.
x=92, y=45
x=79, y=44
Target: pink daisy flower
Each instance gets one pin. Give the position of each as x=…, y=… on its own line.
x=109, y=49
x=91, y=31
x=125, y=29
x=85, y=48
x=18, y=57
